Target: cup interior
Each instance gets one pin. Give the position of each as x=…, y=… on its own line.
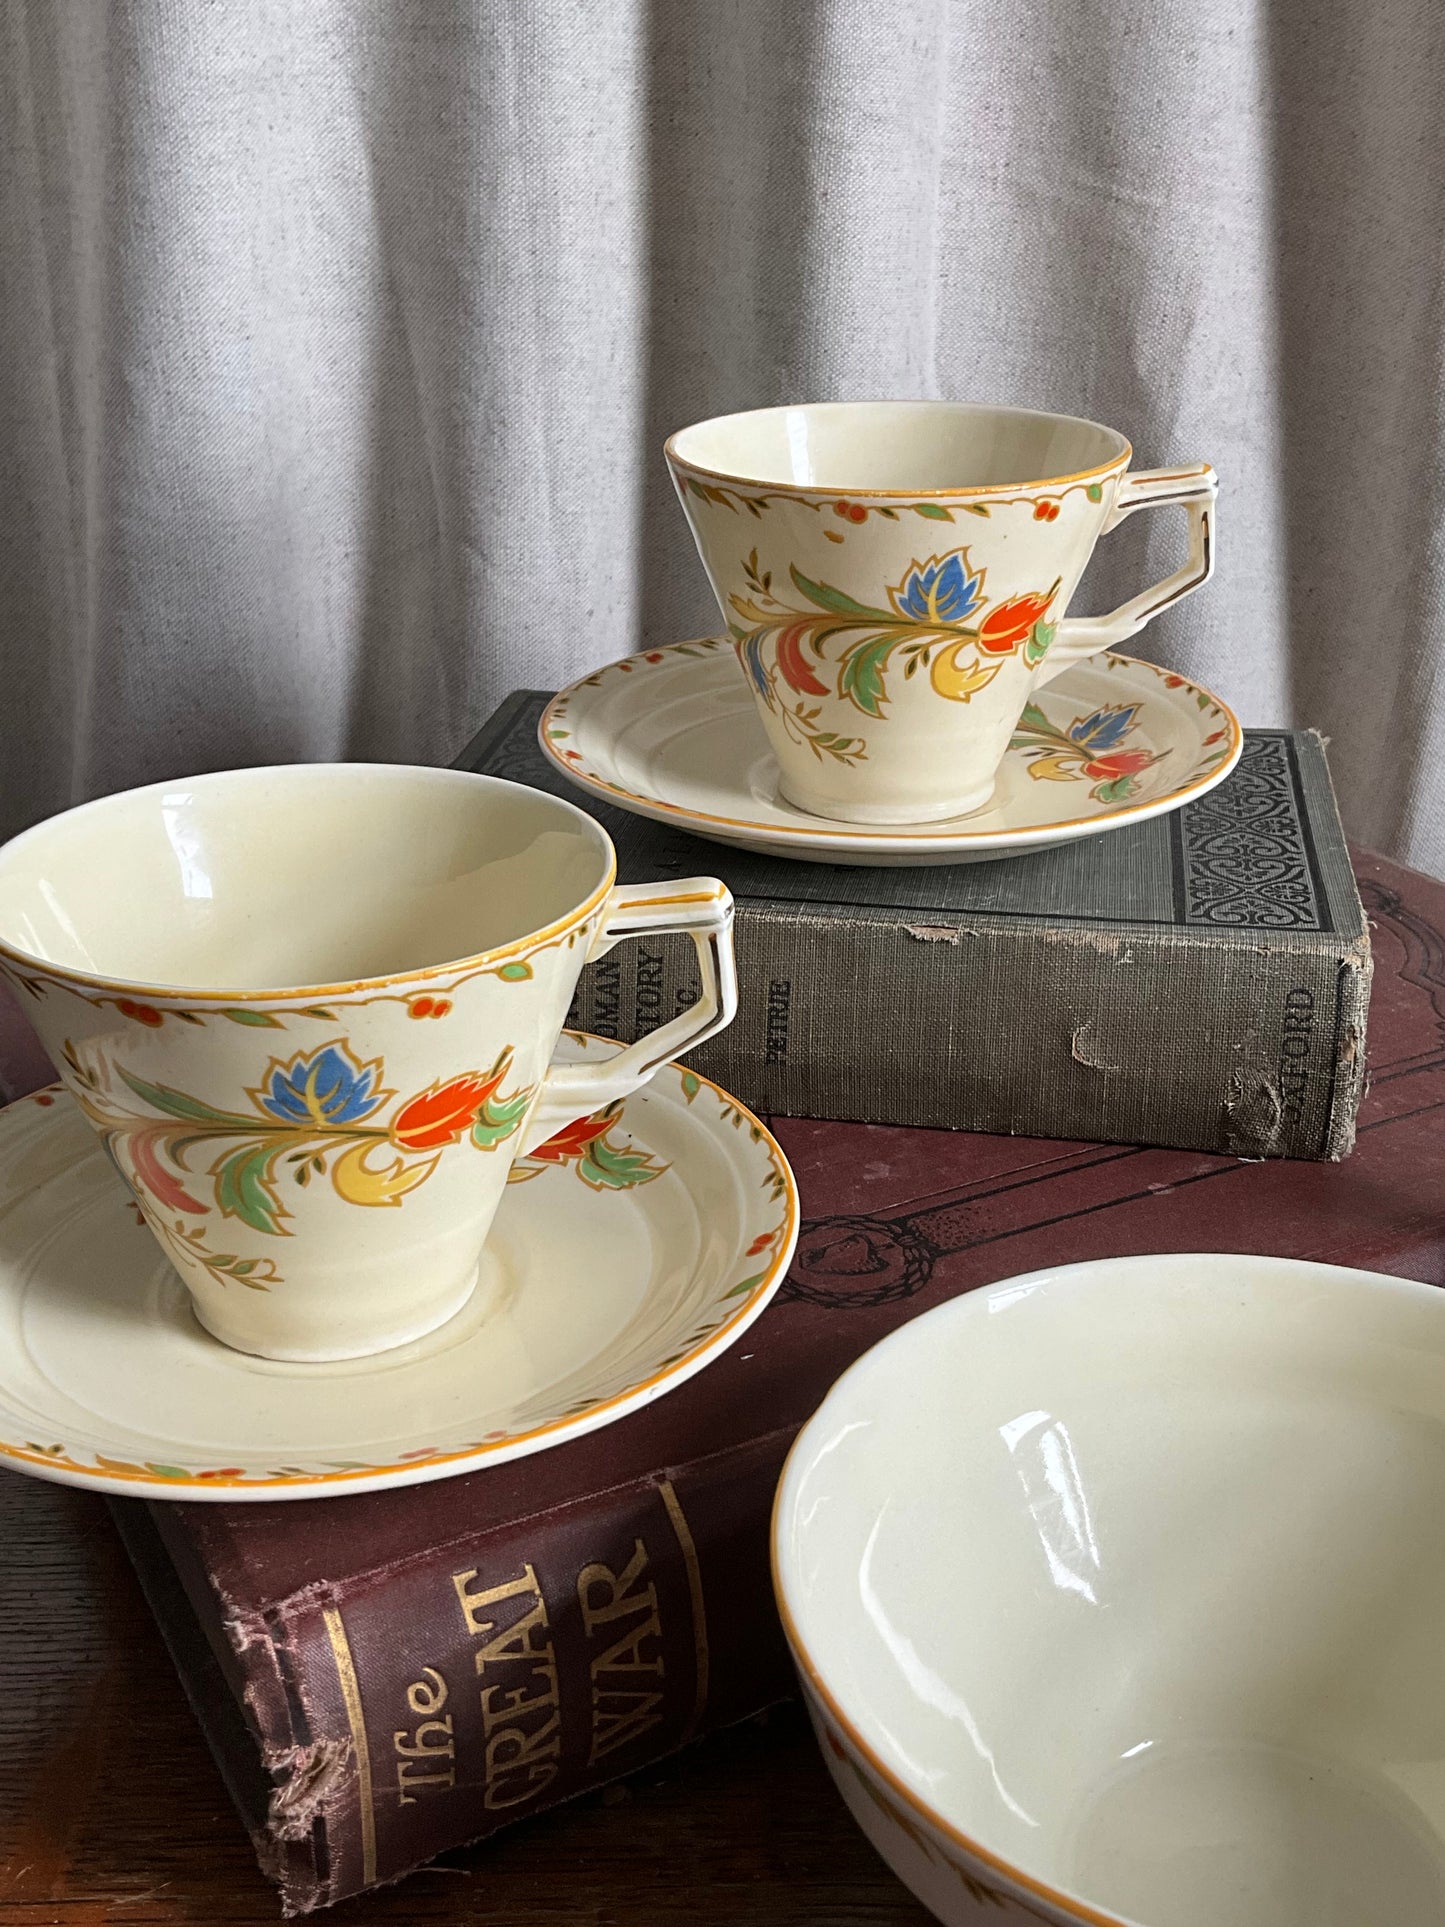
x=919, y=447
x=304, y=875
x=1133, y=1575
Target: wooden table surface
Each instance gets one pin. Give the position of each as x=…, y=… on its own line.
x=111, y=1808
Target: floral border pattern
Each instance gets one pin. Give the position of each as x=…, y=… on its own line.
x=1045, y=504
x=422, y=1004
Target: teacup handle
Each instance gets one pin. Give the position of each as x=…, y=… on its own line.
x=1193, y=489
x=698, y=907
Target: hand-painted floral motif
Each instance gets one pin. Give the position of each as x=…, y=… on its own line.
x=462, y=1106
x=587, y=1146
x=938, y=616
x=1092, y=746
x=316, y=1115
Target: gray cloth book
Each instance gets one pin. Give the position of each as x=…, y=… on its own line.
x=1201, y=980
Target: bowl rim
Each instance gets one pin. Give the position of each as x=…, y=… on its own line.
x=969, y=1304
x=29, y=963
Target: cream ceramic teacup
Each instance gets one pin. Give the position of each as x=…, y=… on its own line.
x=1117, y=1591
x=311, y=1011
x=895, y=577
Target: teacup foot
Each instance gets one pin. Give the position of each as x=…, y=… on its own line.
x=968, y=803
x=238, y=1338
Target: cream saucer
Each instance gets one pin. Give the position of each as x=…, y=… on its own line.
x=609, y=1278
x=673, y=734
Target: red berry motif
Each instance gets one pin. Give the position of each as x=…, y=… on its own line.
x=142, y=1013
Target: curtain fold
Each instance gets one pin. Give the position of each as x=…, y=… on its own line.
x=338, y=341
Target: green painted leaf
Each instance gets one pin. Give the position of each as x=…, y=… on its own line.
x=515, y=973
x=1095, y=492
x=499, y=1119
x=975, y=508
x=891, y=514
x=827, y=597
x=1036, y=719
x=189, y=1017
x=177, y=1104
x=861, y=679
x=1117, y=791
x=167, y=1471
x=691, y=1085
x=934, y=511
x=243, y=1190
x=747, y=1285
x=316, y=1010
x=1203, y=701
x=1037, y=645
x=261, y=1019
x=611, y=1167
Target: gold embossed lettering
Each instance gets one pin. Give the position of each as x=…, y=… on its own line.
x=431, y=1741
x=603, y=1594
x=472, y=1604
x=499, y=1705
x=622, y=1710
x=518, y=1667
x=520, y=1764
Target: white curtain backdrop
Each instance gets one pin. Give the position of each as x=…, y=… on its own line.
x=338, y=339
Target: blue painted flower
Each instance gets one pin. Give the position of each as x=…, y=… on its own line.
x=750, y=654
x=942, y=589
x=328, y=1087
x=1105, y=729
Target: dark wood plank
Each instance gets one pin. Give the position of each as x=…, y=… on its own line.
x=111, y=1810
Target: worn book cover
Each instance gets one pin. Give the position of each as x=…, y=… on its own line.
x=1200, y=980
x=387, y=1676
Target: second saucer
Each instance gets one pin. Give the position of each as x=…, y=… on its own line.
x=672, y=734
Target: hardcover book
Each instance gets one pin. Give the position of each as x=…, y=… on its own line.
x=1199, y=980
x=387, y=1676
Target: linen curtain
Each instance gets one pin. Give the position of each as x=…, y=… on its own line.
x=338, y=339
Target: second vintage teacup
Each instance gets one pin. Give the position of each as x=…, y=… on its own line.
x=895, y=576
x=311, y=1012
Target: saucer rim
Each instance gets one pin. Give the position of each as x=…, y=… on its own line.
x=818, y=833
x=202, y=1488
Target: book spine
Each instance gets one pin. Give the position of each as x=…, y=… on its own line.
x=423, y=1706
x=1255, y=1048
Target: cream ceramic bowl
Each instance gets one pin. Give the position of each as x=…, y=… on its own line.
x=1118, y=1594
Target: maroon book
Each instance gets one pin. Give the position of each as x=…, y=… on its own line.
x=390, y=1675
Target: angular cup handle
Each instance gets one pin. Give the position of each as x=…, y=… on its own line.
x=1193, y=489
x=698, y=907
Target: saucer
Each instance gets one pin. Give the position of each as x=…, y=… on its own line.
x=615, y=1270
x=672, y=734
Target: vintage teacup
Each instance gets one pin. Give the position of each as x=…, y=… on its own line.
x=895, y=576
x=311, y=1011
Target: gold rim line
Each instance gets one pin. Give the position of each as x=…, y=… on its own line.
x=882, y=834
x=1078, y=1910
x=424, y=973
x=356, y=1720
x=779, y=1262
x=1021, y=489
